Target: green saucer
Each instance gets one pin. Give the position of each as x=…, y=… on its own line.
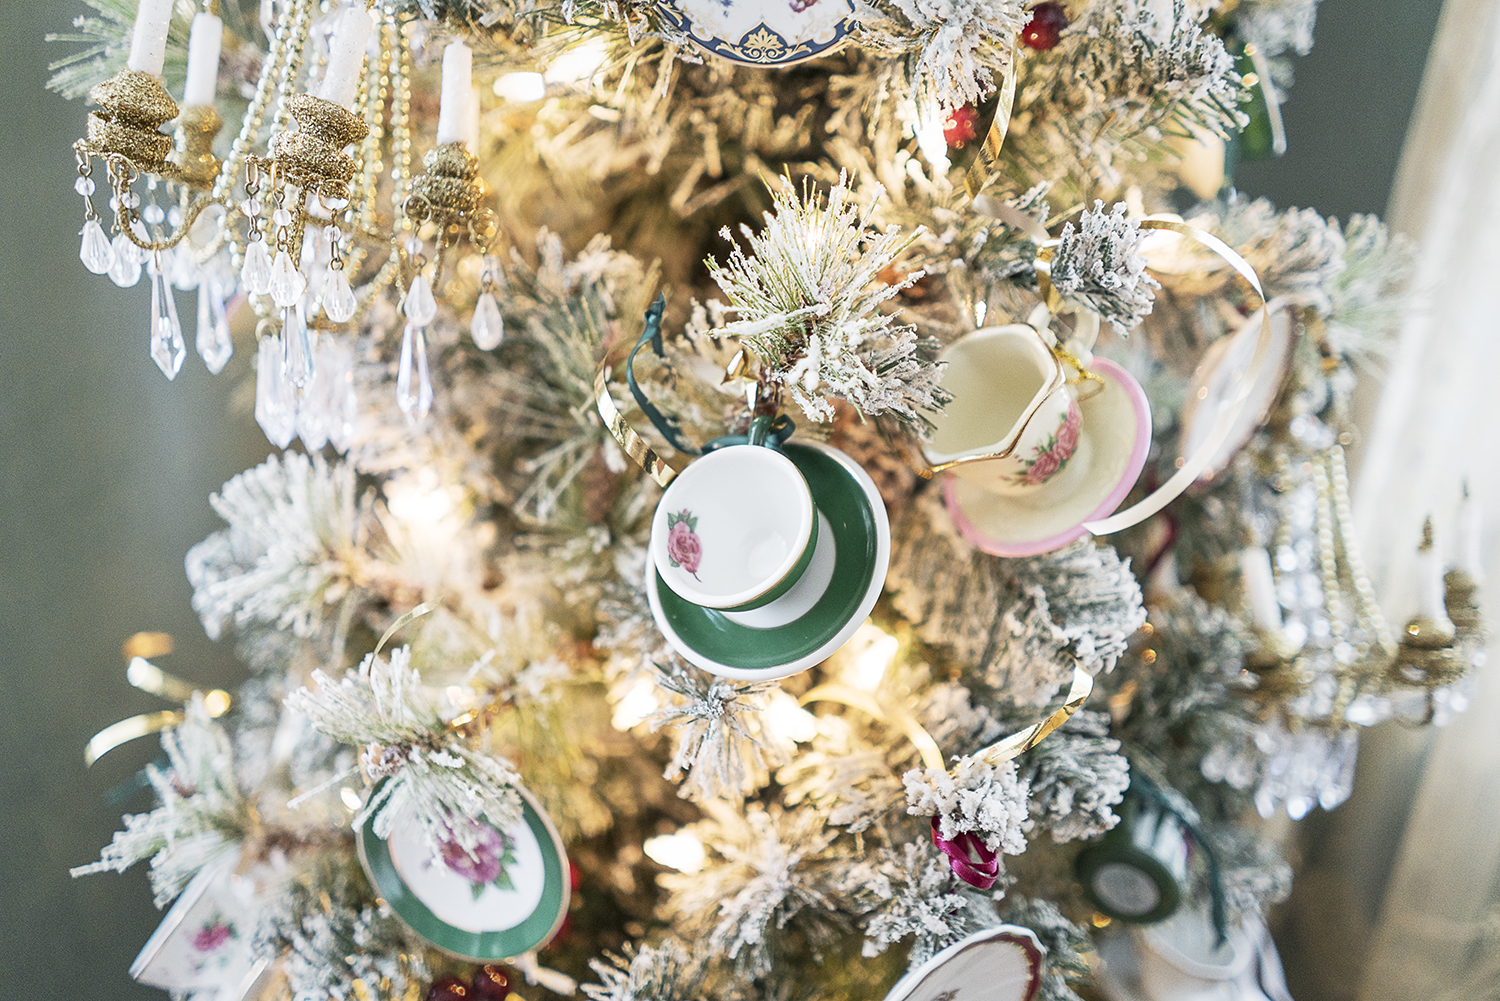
x=525, y=932
x=847, y=497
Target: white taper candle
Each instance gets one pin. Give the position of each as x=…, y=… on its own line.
x=471, y=122
x=1469, y=529
x=1429, y=576
x=203, y=60
x=1260, y=587
x=148, y=42
x=458, y=85
x=346, y=56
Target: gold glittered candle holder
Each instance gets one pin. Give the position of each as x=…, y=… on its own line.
x=1426, y=655
x=192, y=160
x=132, y=108
x=448, y=191
x=314, y=151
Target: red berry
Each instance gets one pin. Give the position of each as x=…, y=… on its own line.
x=491, y=984
x=1047, y=22
x=448, y=988
x=575, y=879
x=961, y=125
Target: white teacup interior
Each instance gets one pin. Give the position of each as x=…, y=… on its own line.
x=993, y=379
x=750, y=514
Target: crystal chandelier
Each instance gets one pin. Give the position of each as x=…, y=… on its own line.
x=312, y=230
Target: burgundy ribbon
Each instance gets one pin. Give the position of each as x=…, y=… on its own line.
x=971, y=858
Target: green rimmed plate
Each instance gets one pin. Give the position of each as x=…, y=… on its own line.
x=847, y=497
x=482, y=924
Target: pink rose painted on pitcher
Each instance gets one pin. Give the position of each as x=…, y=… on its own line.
x=684, y=548
x=1054, y=453
x=212, y=935
x=1067, y=435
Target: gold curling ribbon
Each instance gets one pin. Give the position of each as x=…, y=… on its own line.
x=126, y=730
x=987, y=166
x=1017, y=743
x=1259, y=326
x=149, y=678
x=932, y=756
x=633, y=444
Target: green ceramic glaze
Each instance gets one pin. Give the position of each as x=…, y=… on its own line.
x=483, y=947
x=842, y=501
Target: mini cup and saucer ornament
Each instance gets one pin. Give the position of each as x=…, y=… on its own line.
x=1185, y=959
x=997, y=964
x=765, y=555
x=1032, y=454
x=505, y=898
x=1137, y=872
x=1223, y=371
x=754, y=33
x=205, y=941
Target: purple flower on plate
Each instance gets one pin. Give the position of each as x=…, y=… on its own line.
x=481, y=864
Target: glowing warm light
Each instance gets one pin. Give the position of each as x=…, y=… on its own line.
x=681, y=851
x=638, y=702
x=216, y=703
x=421, y=500
x=522, y=88
x=930, y=139
x=874, y=651
x=351, y=799
x=577, y=64
x=789, y=720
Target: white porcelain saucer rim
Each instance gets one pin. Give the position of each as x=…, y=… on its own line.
x=1256, y=408
x=872, y=593
x=1025, y=938
x=1132, y=471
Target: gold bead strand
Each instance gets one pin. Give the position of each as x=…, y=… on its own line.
x=1364, y=591
x=401, y=175
x=291, y=35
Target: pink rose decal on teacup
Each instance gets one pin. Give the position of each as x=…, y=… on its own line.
x=484, y=864
x=1054, y=453
x=684, y=549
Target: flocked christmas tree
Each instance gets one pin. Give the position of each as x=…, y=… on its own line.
x=506, y=720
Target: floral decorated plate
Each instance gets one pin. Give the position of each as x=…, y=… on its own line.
x=507, y=901
x=1114, y=438
x=997, y=964
x=758, y=33
x=847, y=498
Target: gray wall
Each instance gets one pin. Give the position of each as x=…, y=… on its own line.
x=107, y=468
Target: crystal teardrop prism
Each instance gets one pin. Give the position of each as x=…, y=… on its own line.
x=488, y=326
x=338, y=297
x=287, y=284
x=415, y=400
x=256, y=273
x=95, y=252
x=299, y=363
x=167, y=346
x=313, y=417
x=275, y=399
x=186, y=274
x=420, y=307
x=213, y=341
x=125, y=271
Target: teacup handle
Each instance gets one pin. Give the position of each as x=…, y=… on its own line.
x=772, y=432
